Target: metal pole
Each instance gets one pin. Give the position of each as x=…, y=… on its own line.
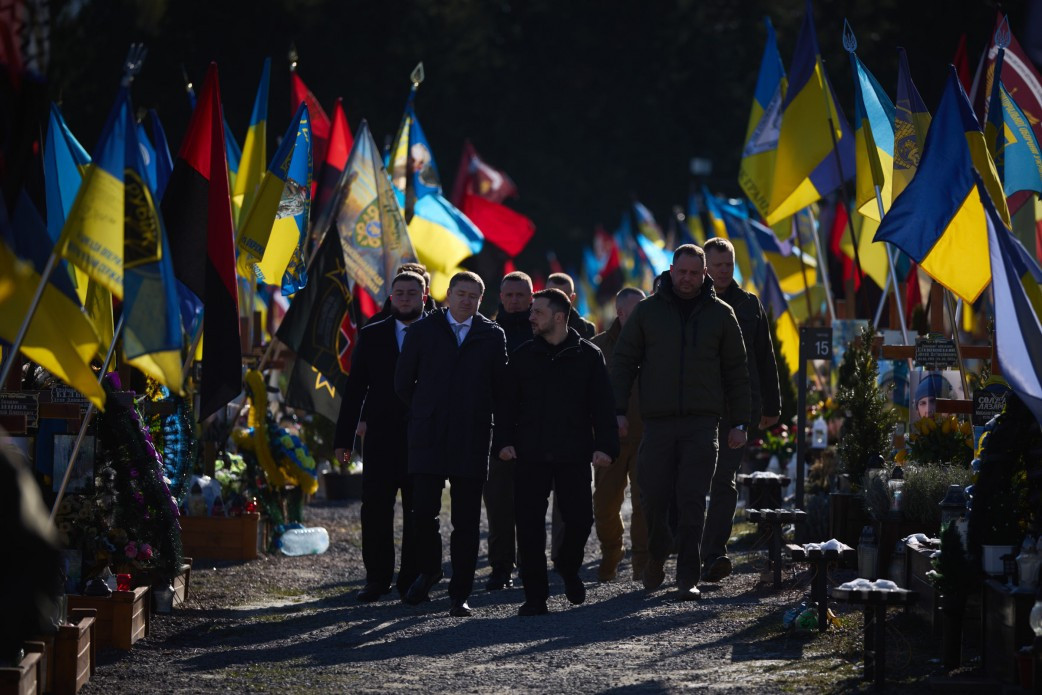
x=23, y=330
x=86, y=422
x=882, y=303
x=893, y=273
x=801, y=426
x=950, y=304
x=803, y=268
x=823, y=265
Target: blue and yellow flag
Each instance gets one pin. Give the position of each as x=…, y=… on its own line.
x=152, y=337
x=255, y=148
x=441, y=235
x=92, y=237
x=873, y=139
x=788, y=332
x=806, y=168
x=647, y=225
x=939, y=219
x=60, y=337
x=274, y=229
x=164, y=162
x=911, y=123
x=1018, y=308
x=756, y=173
x=1011, y=142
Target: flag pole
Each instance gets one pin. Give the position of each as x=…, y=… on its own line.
x=803, y=268
x=950, y=304
x=823, y=264
x=86, y=420
x=23, y=330
x=892, y=279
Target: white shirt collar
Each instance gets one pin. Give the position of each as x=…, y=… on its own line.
x=454, y=322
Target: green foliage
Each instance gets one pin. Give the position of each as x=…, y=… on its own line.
x=953, y=574
x=925, y=487
x=869, y=423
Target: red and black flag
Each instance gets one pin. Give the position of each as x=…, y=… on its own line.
x=198, y=214
x=340, y=143
x=320, y=329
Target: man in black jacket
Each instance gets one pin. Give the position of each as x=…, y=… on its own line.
x=765, y=410
x=557, y=418
x=428, y=303
x=515, y=300
x=372, y=410
x=452, y=363
x=565, y=283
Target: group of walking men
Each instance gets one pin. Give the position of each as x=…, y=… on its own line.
x=508, y=411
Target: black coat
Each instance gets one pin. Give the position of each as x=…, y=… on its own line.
x=584, y=328
x=516, y=325
x=452, y=391
x=759, y=350
x=558, y=406
x=370, y=396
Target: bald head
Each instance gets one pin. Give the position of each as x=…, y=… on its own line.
x=626, y=301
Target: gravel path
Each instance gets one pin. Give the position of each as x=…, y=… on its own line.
x=288, y=625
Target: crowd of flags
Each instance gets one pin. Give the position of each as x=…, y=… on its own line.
x=186, y=246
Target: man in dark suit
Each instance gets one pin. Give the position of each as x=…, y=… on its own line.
x=451, y=363
x=372, y=410
x=558, y=416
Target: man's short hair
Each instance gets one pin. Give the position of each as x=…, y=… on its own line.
x=516, y=276
x=719, y=245
x=418, y=268
x=408, y=275
x=466, y=276
x=689, y=250
x=562, y=279
x=558, y=300
x=627, y=292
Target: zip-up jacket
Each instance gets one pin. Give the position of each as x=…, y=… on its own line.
x=557, y=407
x=606, y=342
x=756, y=334
x=692, y=366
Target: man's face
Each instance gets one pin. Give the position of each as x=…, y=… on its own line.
x=688, y=273
x=541, y=317
x=625, y=306
x=464, y=298
x=551, y=285
x=720, y=267
x=407, y=299
x=515, y=295
x=927, y=406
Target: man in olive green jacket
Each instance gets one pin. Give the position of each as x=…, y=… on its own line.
x=609, y=484
x=687, y=346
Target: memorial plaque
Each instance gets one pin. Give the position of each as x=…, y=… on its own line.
x=816, y=342
x=26, y=403
x=935, y=353
x=987, y=404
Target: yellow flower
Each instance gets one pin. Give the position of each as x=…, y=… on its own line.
x=901, y=457
x=969, y=442
x=946, y=426
x=966, y=428
x=927, y=425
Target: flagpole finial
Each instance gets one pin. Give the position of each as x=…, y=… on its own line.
x=132, y=65
x=416, y=76
x=1002, y=35
x=189, y=87
x=849, y=40
x=293, y=56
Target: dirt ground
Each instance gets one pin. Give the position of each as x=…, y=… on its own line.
x=289, y=625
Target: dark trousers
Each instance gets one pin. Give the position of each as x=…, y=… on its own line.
x=723, y=499
x=382, y=477
x=466, y=526
x=675, y=464
x=532, y=485
x=499, y=508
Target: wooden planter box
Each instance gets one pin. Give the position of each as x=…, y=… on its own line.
x=71, y=654
x=220, y=537
x=23, y=679
x=918, y=563
x=1004, y=627
x=180, y=581
x=123, y=618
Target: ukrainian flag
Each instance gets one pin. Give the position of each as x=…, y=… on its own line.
x=1018, y=306
x=756, y=173
x=92, y=237
x=806, y=169
x=873, y=142
x=255, y=149
x=911, y=123
x=60, y=338
x=939, y=219
x=1010, y=140
x=785, y=325
x=274, y=229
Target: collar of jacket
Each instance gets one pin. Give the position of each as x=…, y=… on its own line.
x=734, y=294
x=512, y=319
x=615, y=329
x=665, y=288
x=571, y=340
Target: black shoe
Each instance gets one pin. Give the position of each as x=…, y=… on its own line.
x=460, y=609
x=372, y=592
x=717, y=569
x=499, y=580
x=533, y=608
x=574, y=589
x=688, y=593
x=420, y=589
